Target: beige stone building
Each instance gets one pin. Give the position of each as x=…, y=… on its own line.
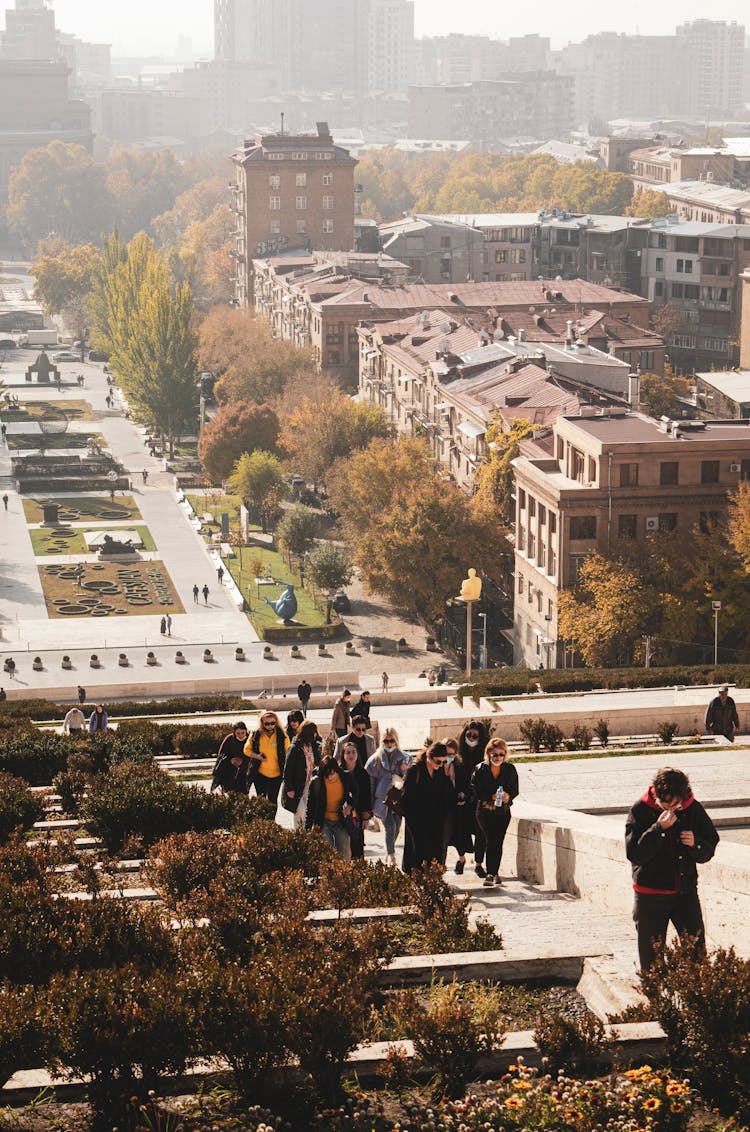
x=595, y=479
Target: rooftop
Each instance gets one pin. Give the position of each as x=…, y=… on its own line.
x=636, y=428
x=729, y=382
x=706, y=192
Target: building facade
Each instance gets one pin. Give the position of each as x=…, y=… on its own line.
x=594, y=480
x=290, y=191
x=435, y=249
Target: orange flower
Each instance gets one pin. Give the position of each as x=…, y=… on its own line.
x=512, y=1102
x=676, y=1106
x=522, y=1084
x=651, y=1104
x=675, y=1089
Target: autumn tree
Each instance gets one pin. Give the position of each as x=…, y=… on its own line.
x=64, y=277
x=298, y=530
x=250, y=363
x=605, y=612
x=330, y=567
x=142, y=186
x=668, y=320
x=661, y=394
x=317, y=433
x=493, y=482
x=59, y=190
x=648, y=204
x=102, y=302
x=258, y=479
x=193, y=204
x=244, y=427
x=739, y=522
x=368, y=482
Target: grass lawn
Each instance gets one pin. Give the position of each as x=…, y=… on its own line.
x=17, y=440
x=140, y=589
x=204, y=501
x=261, y=615
x=76, y=508
x=46, y=540
x=76, y=410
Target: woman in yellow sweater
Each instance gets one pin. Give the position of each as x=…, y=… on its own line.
x=331, y=800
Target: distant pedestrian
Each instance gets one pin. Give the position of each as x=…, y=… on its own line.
x=205, y=594
x=441, y=675
x=74, y=722
x=196, y=591
x=304, y=691
x=3, y=695
x=3, y=429
x=163, y=627
x=144, y=473
x=81, y=694
x=112, y=494
x=220, y=574
x=431, y=677
x=169, y=624
x=79, y=575
x=10, y=667
x=385, y=681
x=721, y=717
x=342, y=715
x=5, y=502
x=98, y=720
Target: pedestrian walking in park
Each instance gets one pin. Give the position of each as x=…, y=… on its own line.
x=667, y=834
x=427, y=800
x=220, y=574
x=98, y=720
x=472, y=743
x=163, y=627
x=302, y=760
x=363, y=708
x=331, y=801
x=144, y=473
x=3, y=430
x=233, y=768
x=196, y=591
x=361, y=811
x=304, y=691
x=112, y=494
x=5, y=501
x=3, y=695
x=205, y=594
x=342, y=716
x=387, y=763
x=384, y=678
x=267, y=747
x=74, y=722
x=461, y=821
x=169, y=624
x=81, y=694
x=495, y=785
x=364, y=743
x=294, y=721
x=721, y=717
x=10, y=667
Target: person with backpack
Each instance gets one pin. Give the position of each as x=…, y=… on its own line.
x=232, y=769
x=387, y=763
x=267, y=748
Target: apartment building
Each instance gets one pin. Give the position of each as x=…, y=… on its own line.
x=226, y=90
x=709, y=203
x=660, y=165
x=435, y=249
x=593, y=480
x=290, y=191
x=717, y=50
x=697, y=269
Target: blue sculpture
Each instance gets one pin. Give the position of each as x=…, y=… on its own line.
x=285, y=606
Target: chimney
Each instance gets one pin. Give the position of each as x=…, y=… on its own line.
x=634, y=391
x=521, y=335
x=569, y=333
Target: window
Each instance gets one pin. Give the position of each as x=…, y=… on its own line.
x=274, y=181
x=445, y=241
x=327, y=179
x=532, y=545
x=521, y=539
x=501, y=256
x=542, y=515
x=328, y=203
x=626, y=526
x=520, y=583
x=301, y=227
x=685, y=265
x=678, y=290
x=300, y=203
x=575, y=562
x=659, y=263
x=542, y=554
x=539, y=600
x=530, y=592
x=552, y=522
x=532, y=507
x=275, y=227
x=274, y=204
x=552, y=563
x=668, y=521
x=680, y=264
x=709, y=471
x=518, y=255
x=582, y=526
x=669, y=473
x=522, y=499
x=300, y=180
x=334, y=358
x=659, y=290
x=577, y=465
x=628, y=475
x=692, y=291
x=327, y=227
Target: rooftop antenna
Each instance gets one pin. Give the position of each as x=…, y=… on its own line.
x=282, y=123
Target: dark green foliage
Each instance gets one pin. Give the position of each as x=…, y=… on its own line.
x=553, y=737
x=19, y=808
x=581, y=736
x=702, y=1003
x=444, y=916
x=144, y=802
x=36, y=756
x=176, y=705
x=515, y=681
x=533, y=731
x=451, y=1030
x=200, y=739
x=573, y=1044
x=121, y=1030
x=666, y=731
x=23, y=1039
x=601, y=730
x=71, y=786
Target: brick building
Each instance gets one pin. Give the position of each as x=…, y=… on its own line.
x=291, y=191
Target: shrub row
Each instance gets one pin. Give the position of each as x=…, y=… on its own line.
x=517, y=681
x=177, y=705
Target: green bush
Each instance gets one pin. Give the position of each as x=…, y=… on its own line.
x=361, y=884
x=702, y=1003
x=36, y=756
x=451, y=1031
x=176, y=705
x=71, y=786
x=19, y=808
x=142, y=802
x=574, y=1044
x=121, y=1031
x=581, y=737
x=601, y=730
x=199, y=740
x=553, y=737
x=666, y=730
x=444, y=915
x=145, y=734
x=533, y=732
x=515, y=681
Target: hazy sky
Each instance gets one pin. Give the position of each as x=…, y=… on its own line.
x=144, y=26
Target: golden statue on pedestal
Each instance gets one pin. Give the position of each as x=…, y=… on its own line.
x=471, y=587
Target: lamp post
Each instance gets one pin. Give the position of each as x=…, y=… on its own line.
x=548, y=639
x=471, y=591
x=483, y=659
x=716, y=606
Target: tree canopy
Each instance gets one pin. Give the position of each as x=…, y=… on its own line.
x=298, y=530
x=59, y=190
x=235, y=429
x=318, y=433
x=661, y=393
x=65, y=275
x=250, y=363
x=493, y=482
x=258, y=479
x=647, y=204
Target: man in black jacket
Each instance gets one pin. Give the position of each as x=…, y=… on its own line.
x=721, y=717
x=668, y=833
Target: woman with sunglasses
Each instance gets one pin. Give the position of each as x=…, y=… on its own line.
x=302, y=759
x=389, y=761
x=461, y=820
x=471, y=744
x=427, y=802
x=495, y=785
x=361, y=813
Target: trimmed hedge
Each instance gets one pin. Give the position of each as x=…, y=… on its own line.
x=19, y=808
x=177, y=705
x=516, y=681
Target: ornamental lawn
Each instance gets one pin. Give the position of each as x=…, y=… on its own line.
x=31, y=410
x=82, y=508
x=261, y=615
x=151, y=591
x=70, y=540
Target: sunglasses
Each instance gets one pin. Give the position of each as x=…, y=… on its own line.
x=472, y=735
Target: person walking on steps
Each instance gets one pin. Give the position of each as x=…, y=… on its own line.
x=196, y=591
x=205, y=594
x=169, y=624
x=721, y=717
x=304, y=691
x=495, y=785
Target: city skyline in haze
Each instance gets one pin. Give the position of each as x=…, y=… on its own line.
x=150, y=27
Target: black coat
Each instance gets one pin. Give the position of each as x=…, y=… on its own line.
x=660, y=862
x=316, y=800
x=485, y=786
x=460, y=821
x=295, y=769
x=427, y=801
x=722, y=718
x=363, y=789
x=227, y=776
x=362, y=708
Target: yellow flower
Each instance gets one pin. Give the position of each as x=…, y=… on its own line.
x=652, y=1104
x=675, y=1089
x=512, y=1102
x=522, y=1084
x=676, y=1106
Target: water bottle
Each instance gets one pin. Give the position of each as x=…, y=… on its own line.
x=498, y=797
